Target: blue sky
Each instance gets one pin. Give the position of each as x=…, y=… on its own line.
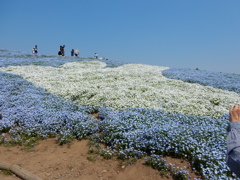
x=202, y=34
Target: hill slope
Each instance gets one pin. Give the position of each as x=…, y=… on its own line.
x=142, y=112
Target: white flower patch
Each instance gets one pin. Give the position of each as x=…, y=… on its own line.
x=130, y=85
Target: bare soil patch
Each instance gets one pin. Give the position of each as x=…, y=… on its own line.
x=50, y=161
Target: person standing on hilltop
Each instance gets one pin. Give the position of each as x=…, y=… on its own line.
x=96, y=56
x=35, y=50
x=233, y=140
x=72, y=52
x=61, y=50
x=76, y=52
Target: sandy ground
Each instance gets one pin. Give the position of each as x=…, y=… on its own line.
x=50, y=161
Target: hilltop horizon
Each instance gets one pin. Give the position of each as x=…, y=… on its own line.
x=101, y=58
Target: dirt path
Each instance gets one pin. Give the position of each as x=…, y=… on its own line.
x=51, y=161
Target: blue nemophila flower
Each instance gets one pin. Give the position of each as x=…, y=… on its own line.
x=225, y=81
x=142, y=112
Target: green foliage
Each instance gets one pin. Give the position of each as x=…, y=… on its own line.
x=160, y=165
x=65, y=139
x=180, y=176
x=70, y=167
x=6, y=172
x=106, y=154
x=215, y=101
x=92, y=158
x=166, y=170
x=30, y=142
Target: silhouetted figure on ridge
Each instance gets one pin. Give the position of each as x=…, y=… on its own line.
x=35, y=50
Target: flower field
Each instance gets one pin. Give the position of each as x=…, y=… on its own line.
x=230, y=82
x=146, y=111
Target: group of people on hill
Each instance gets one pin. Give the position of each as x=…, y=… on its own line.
x=61, y=52
x=75, y=52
